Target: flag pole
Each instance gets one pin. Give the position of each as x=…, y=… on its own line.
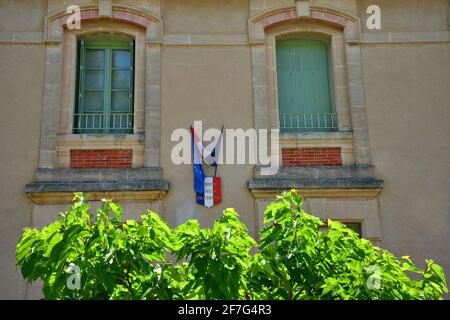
x=217, y=164
x=192, y=146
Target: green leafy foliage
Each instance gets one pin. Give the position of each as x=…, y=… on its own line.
x=296, y=258
x=219, y=258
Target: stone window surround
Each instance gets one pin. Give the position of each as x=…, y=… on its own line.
x=348, y=90
x=54, y=182
x=337, y=71
x=66, y=140
x=60, y=85
x=69, y=71
x=348, y=193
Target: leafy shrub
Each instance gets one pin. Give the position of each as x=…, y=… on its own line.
x=295, y=258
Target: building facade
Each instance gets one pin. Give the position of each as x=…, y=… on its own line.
x=363, y=112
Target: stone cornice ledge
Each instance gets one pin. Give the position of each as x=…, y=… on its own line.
x=97, y=175
x=107, y=186
x=49, y=198
x=318, y=188
x=333, y=172
x=62, y=192
x=56, y=186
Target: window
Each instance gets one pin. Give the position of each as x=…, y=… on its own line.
x=354, y=226
x=105, y=86
x=304, y=91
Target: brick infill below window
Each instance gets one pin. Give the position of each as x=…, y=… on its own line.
x=311, y=157
x=101, y=158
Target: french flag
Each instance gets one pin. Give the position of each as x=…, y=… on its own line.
x=208, y=189
x=199, y=174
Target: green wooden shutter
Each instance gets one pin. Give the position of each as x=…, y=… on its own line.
x=304, y=86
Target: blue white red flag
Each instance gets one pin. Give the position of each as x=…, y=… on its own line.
x=208, y=189
x=199, y=174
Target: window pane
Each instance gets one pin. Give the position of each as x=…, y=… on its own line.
x=93, y=101
x=121, y=80
x=121, y=59
x=95, y=58
x=355, y=226
x=120, y=102
x=95, y=79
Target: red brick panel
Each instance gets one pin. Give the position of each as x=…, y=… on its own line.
x=278, y=18
x=131, y=17
x=85, y=15
x=341, y=22
x=101, y=158
x=311, y=157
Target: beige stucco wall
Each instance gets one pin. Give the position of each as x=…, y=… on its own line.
x=213, y=85
x=408, y=98
x=408, y=103
x=206, y=74
x=206, y=17
x=408, y=15
x=208, y=83
x=30, y=18
x=21, y=69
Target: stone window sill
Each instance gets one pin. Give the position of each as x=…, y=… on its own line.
x=350, y=181
x=54, y=186
x=317, y=135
